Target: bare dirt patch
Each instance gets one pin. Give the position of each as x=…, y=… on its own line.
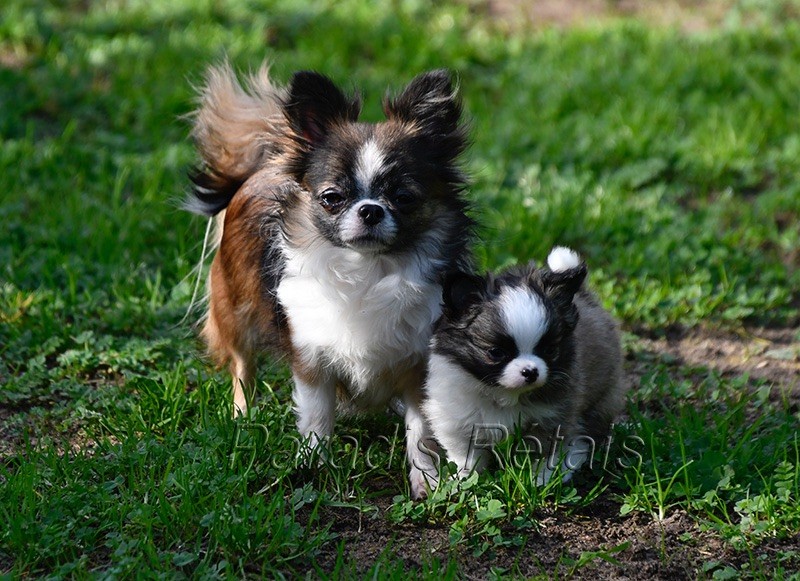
x=686, y=15
x=771, y=355
x=637, y=546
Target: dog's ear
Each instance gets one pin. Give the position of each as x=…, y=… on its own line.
x=314, y=104
x=430, y=107
x=561, y=286
x=429, y=101
x=461, y=290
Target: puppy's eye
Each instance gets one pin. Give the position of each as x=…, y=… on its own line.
x=332, y=201
x=547, y=350
x=403, y=199
x=497, y=354
x=548, y=346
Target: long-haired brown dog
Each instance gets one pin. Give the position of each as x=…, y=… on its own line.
x=333, y=236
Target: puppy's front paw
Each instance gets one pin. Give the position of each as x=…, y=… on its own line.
x=543, y=475
x=421, y=482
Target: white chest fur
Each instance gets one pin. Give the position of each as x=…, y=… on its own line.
x=358, y=316
x=458, y=404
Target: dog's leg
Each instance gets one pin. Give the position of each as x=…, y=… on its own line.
x=580, y=449
x=421, y=449
x=315, y=408
x=241, y=313
x=467, y=454
x=242, y=368
x=227, y=330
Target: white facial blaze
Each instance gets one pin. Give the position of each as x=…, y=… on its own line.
x=369, y=163
x=525, y=319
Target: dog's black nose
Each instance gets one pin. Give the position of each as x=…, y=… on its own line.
x=370, y=214
x=530, y=374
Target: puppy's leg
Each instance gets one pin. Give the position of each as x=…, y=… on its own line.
x=579, y=449
x=315, y=408
x=546, y=465
x=470, y=452
x=468, y=446
x=421, y=449
x=566, y=453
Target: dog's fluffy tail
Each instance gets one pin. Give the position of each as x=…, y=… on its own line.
x=237, y=128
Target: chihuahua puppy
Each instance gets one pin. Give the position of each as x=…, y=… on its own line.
x=333, y=237
x=529, y=350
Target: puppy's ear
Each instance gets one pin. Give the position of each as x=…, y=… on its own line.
x=561, y=287
x=461, y=290
x=429, y=101
x=314, y=104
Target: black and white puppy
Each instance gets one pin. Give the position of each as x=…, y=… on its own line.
x=529, y=349
x=333, y=237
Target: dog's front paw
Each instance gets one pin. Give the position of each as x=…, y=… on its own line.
x=421, y=482
x=313, y=451
x=543, y=475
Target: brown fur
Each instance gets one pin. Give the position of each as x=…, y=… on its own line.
x=241, y=316
x=237, y=128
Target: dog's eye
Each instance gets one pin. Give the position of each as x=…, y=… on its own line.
x=547, y=349
x=332, y=201
x=548, y=346
x=497, y=354
x=403, y=199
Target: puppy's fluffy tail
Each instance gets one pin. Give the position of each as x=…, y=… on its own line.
x=237, y=128
x=562, y=258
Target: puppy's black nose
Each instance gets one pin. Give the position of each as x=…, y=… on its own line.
x=370, y=214
x=530, y=374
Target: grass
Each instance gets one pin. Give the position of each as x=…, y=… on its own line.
x=671, y=161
